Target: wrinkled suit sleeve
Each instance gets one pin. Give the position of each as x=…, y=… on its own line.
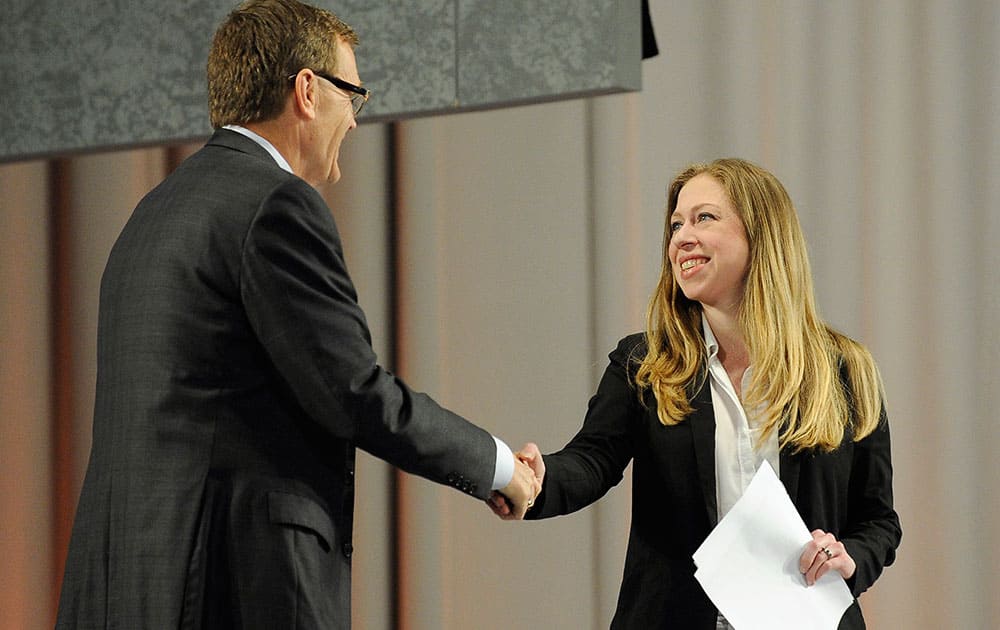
x=303, y=307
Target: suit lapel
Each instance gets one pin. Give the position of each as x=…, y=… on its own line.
x=702, y=422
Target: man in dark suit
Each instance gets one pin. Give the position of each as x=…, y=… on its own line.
x=235, y=370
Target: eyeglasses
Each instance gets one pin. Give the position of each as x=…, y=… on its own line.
x=359, y=95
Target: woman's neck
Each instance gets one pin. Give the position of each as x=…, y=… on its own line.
x=733, y=351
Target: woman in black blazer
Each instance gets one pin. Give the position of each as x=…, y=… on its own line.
x=735, y=368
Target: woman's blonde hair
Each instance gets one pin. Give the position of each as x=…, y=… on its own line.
x=797, y=359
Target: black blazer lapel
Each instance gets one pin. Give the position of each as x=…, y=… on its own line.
x=702, y=421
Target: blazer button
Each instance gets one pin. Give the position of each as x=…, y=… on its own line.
x=348, y=549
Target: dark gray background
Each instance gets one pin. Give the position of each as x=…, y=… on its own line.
x=99, y=74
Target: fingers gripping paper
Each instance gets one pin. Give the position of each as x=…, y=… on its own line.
x=749, y=564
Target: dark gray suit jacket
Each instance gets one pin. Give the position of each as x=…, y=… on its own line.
x=847, y=492
x=235, y=379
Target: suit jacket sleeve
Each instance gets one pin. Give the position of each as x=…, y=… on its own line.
x=873, y=531
x=303, y=307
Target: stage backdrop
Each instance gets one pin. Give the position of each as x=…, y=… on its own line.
x=500, y=255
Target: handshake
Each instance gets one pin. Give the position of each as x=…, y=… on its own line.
x=513, y=501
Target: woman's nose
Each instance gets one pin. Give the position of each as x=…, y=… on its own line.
x=682, y=236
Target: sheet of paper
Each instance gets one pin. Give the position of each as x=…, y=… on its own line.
x=749, y=565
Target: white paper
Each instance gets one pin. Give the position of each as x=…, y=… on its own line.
x=749, y=565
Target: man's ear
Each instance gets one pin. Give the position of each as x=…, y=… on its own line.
x=304, y=94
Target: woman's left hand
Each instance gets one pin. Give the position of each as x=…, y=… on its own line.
x=825, y=553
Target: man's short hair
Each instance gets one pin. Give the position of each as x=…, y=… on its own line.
x=255, y=50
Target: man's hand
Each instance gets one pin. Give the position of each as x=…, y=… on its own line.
x=501, y=503
x=514, y=500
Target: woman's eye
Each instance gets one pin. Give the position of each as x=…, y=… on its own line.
x=704, y=216
x=676, y=225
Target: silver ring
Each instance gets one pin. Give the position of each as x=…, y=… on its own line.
x=829, y=554
x=531, y=502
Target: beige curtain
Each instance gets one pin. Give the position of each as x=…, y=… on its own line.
x=500, y=255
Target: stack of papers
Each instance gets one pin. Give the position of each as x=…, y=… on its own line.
x=749, y=565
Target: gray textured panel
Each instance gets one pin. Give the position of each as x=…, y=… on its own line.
x=82, y=75
x=77, y=76
x=406, y=56
x=525, y=50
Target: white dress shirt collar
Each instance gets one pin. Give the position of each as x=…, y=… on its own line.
x=262, y=141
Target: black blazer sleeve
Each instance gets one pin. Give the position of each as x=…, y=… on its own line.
x=303, y=307
x=873, y=531
x=848, y=492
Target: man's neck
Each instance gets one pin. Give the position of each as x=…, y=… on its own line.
x=284, y=138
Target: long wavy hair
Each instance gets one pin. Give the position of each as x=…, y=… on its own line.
x=797, y=359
